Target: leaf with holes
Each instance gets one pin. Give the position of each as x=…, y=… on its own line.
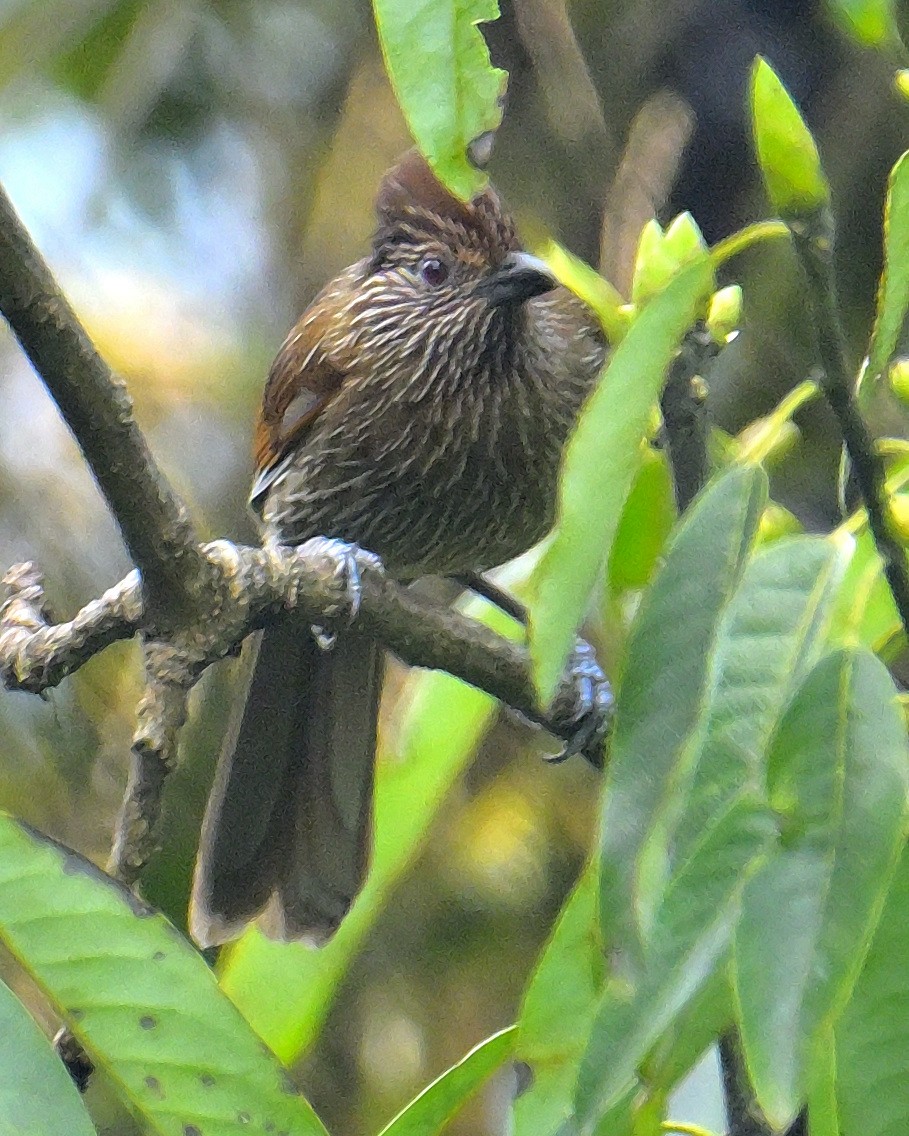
x=139, y=998
x=439, y=67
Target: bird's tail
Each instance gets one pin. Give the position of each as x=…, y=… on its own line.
x=287, y=829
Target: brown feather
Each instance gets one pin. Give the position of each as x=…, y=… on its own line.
x=424, y=421
x=300, y=382
x=411, y=198
x=411, y=185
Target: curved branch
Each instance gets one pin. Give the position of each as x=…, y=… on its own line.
x=194, y=604
x=253, y=586
x=257, y=584
x=98, y=410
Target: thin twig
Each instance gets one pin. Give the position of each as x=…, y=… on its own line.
x=743, y=1115
x=98, y=410
x=684, y=408
x=813, y=242
x=36, y=654
x=685, y=423
x=161, y=713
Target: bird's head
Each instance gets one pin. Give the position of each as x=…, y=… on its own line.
x=438, y=252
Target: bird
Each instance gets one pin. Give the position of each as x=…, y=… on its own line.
x=418, y=410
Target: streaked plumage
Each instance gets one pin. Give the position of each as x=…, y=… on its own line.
x=437, y=444
x=418, y=409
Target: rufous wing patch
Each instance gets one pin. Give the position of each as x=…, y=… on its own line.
x=301, y=381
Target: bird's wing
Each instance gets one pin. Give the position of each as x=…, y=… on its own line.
x=301, y=382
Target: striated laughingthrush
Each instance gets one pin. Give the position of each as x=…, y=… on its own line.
x=418, y=409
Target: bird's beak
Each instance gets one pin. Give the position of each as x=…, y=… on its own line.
x=520, y=278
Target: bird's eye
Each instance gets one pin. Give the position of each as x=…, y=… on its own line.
x=433, y=271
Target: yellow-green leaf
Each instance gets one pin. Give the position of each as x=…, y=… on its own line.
x=786, y=151
x=448, y=90
x=601, y=462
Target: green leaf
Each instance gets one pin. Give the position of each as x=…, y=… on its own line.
x=893, y=292
x=837, y=780
x=768, y=639
x=285, y=989
x=697, y=1027
x=698, y=705
x=600, y=464
x=872, y=1036
x=864, y=612
x=869, y=21
x=775, y=433
x=428, y=1113
x=822, y=1110
x=558, y=1011
x=644, y=526
x=439, y=67
x=139, y=998
x=37, y=1095
x=594, y=289
x=663, y=687
x=654, y=266
x=690, y=935
x=786, y=151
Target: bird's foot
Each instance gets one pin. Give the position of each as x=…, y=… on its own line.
x=346, y=563
x=583, y=708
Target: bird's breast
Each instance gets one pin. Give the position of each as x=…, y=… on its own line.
x=435, y=477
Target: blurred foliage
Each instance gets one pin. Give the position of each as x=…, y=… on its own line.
x=195, y=170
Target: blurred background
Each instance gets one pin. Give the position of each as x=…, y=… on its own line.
x=195, y=170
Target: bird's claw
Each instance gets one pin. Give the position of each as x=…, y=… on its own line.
x=346, y=564
x=583, y=708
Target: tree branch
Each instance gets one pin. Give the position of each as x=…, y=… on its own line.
x=98, y=410
x=255, y=585
x=193, y=604
x=743, y=1115
x=684, y=408
x=812, y=237
x=36, y=655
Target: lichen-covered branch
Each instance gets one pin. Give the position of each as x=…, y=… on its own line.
x=253, y=586
x=36, y=654
x=161, y=713
x=98, y=410
x=194, y=604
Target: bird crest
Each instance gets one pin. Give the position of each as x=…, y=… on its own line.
x=411, y=201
